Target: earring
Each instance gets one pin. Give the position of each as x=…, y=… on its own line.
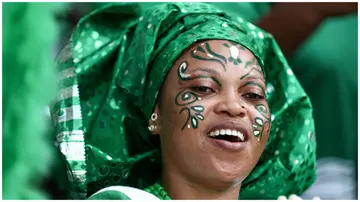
x=151, y=127
x=154, y=116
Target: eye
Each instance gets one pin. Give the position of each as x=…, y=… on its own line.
x=253, y=96
x=202, y=89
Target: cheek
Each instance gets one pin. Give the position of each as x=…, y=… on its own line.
x=184, y=112
x=261, y=121
x=170, y=116
x=174, y=116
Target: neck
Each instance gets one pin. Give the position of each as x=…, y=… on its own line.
x=181, y=188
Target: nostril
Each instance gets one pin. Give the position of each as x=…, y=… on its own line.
x=242, y=114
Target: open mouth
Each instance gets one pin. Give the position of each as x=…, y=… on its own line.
x=227, y=135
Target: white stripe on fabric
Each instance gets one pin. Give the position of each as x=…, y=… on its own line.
x=69, y=92
x=67, y=73
x=75, y=135
x=69, y=114
x=73, y=150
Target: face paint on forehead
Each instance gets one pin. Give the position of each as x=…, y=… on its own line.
x=234, y=52
x=251, y=63
x=257, y=68
x=254, y=67
x=184, y=98
x=204, y=52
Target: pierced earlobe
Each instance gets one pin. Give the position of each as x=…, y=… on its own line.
x=152, y=127
x=154, y=116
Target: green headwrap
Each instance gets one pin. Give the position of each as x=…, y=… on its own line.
x=111, y=75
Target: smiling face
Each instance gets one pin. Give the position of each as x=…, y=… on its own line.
x=213, y=117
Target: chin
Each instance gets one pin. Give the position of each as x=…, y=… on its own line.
x=231, y=174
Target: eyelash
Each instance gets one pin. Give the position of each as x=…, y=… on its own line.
x=204, y=90
x=253, y=96
x=197, y=89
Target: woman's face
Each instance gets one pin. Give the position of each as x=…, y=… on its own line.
x=213, y=117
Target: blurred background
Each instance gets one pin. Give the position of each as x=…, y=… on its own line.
x=320, y=41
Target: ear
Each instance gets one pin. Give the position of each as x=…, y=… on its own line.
x=156, y=122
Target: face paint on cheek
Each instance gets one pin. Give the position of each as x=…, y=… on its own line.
x=184, y=98
x=261, y=122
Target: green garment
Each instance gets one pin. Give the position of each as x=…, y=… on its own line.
x=112, y=70
x=326, y=66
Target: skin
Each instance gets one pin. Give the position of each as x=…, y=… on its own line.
x=221, y=92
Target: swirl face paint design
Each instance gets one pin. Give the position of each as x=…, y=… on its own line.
x=259, y=122
x=256, y=68
x=207, y=54
x=252, y=62
x=185, y=98
x=204, y=52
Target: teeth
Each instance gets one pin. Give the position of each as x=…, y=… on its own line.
x=227, y=132
x=234, y=133
x=241, y=136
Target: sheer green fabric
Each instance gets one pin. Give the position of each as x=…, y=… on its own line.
x=29, y=31
x=112, y=71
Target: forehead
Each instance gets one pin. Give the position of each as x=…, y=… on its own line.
x=225, y=57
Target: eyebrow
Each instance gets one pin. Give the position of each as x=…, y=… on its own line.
x=203, y=69
x=255, y=77
x=248, y=75
x=255, y=84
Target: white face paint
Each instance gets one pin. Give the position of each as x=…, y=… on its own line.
x=182, y=69
x=234, y=52
x=259, y=121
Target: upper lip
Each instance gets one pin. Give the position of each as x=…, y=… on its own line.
x=231, y=126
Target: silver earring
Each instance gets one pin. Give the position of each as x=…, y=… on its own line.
x=154, y=116
x=151, y=127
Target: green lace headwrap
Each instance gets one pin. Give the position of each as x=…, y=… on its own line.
x=112, y=71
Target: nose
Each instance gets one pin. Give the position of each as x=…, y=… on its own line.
x=231, y=105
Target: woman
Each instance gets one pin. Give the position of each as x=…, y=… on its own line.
x=174, y=101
